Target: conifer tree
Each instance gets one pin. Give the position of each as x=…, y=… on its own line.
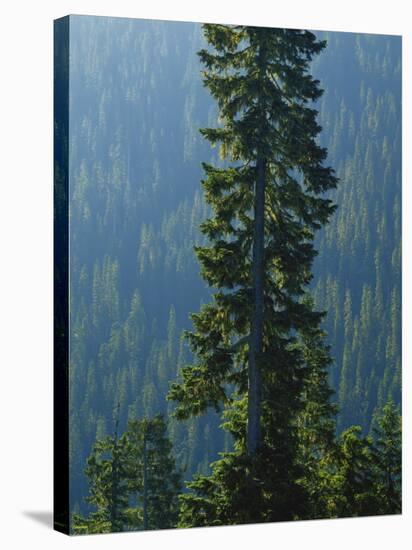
x=316, y=422
x=108, y=482
x=266, y=206
x=154, y=479
x=349, y=476
x=387, y=458
x=134, y=483
x=362, y=476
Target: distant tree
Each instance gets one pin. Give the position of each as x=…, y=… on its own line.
x=266, y=208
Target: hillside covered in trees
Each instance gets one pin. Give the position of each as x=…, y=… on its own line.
x=137, y=102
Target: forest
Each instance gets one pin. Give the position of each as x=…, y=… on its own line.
x=235, y=274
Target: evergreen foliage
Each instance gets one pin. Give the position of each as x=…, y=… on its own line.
x=361, y=476
x=108, y=486
x=316, y=423
x=350, y=478
x=387, y=458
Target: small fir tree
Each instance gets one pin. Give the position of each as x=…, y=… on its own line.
x=134, y=483
x=387, y=457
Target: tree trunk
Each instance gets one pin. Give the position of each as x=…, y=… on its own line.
x=253, y=437
x=256, y=333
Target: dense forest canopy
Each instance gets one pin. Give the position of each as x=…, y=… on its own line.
x=136, y=104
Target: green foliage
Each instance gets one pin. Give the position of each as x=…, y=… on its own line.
x=316, y=422
x=108, y=482
x=387, y=458
x=351, y=479
x=361, y=476
x=244, y=489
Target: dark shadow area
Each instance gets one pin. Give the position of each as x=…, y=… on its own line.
x=45, y=518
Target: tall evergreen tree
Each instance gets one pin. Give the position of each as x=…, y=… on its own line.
x=266, y=207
